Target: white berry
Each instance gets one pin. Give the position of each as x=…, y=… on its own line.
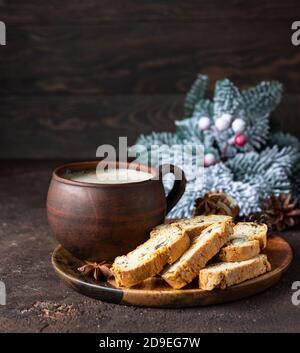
x=209, y=159
x=204, y=123
x=222, y=124
x=227, y=116
x=238, y=126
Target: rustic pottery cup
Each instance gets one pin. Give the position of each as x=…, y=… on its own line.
x=101, y=221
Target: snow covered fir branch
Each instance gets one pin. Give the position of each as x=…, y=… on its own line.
x=242, y=155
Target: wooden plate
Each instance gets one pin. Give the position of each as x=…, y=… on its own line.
x=156, y=293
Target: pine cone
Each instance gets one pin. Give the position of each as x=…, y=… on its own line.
x=258, y=217
x=216, y=203
x=279, y=212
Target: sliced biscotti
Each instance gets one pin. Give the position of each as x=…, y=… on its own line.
x=251, y=231
x=225, y=274
x=247, y=240
x=239, y=250
x=194, y=226
x=160, y=228
x=203, y=248
x=150, y=258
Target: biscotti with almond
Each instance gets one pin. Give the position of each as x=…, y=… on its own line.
x=150, y=258
x=247, y=240
x=194, y=226
x=239, y=250
x=203, y=248
x=226, y=274
x=160, y=228
x=251, y=231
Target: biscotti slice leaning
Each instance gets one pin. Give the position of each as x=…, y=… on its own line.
x=225, y=274
x=160, y=228
x=239, y=250
x=194, y=226
x=203, y=248
x=150, y=258
x=247, y=240
x=251, y=231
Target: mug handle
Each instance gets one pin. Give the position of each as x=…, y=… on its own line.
x=179, y=184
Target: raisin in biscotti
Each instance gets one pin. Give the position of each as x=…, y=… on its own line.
x=194, y=226
x=203, y=248
x=225, y=274
x=150, y=258
x=247, y=240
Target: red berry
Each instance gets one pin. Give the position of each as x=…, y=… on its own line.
x=240, y=140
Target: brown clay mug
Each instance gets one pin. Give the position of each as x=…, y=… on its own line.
x=101, y=221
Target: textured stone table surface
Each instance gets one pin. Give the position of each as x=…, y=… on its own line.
x=37, y=301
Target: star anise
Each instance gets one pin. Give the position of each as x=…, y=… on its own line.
x=216, y=203
x=97, y=270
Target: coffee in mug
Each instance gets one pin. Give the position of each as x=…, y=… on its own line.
x=98, y=213
x=109, y=176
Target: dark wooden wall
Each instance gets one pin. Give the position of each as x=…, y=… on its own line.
x=75, y=74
